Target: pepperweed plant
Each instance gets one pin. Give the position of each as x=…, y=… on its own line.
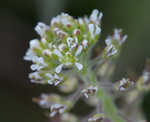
x=63, y=57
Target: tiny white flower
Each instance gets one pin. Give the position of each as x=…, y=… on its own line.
x=56, y=29
x=69, y=40
x=100, y=16
x=85, y=43
x=38, y=81
x=91, y=90
x=86, y=20
x=55, y=20
x=57, y=108
x=29, y=55
x=123, y=81
x=42, y=102
x=80, y=21
x=35, y=59
x=57, y=82
x=59, y=68
x=114, y=51
x=51, y=78
x=79, y=66
x=52, y=114
x=108, y=41
x=123, y=39
x=64, y=14
x=43, y=40
x=57, y=79
x=85, y=93
x=39, y=60
x=41, y=28
x=79, y=50
x=36, y=67
x=65, y=21
x=146, y=76
x=76, y=32
x=47, y=52
x=34, y=75
x=61, y=46
x=53, y=46
x=124, y=84
x=111, y=50
x=94, y=15
x=72, y=42
x=61, y=34
x=34, y=43
x=117, y=34
x=49, y=75
x=91, y=29
x=50, y=82
x=122, y=89
x=54, y=79
x=98, y=30
x=58, y=53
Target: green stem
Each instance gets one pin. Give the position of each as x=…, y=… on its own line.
x=105, y=99
x=109, y=106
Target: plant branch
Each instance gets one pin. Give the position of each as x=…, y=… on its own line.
x=105, y=99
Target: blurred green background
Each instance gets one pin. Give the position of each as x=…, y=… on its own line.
x=17, y=21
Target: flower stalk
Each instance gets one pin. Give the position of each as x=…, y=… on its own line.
x=104, y=98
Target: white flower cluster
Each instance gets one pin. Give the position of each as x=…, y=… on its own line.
x=45, y=100
x=65, y=45
x=56, y=103
x=61, y=45
x=113, y=42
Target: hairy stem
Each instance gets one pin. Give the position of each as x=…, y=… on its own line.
x=105, y=99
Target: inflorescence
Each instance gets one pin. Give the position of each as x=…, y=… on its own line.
x=61, y=45
x=64, y=46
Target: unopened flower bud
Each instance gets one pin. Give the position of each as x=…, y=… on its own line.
x=91, y=90
x=57, y=108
